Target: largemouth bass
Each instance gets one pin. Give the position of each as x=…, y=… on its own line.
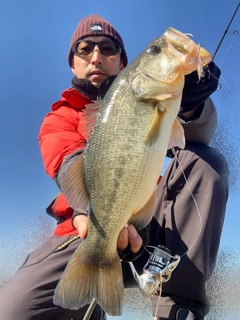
x=118, y=172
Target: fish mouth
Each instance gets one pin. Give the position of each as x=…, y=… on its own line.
x=156, y=77
x=184, y=45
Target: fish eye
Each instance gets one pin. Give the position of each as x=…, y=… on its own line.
x=154, y=49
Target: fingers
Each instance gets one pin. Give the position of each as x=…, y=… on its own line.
x=134, y=239
x=123, y=239
x=80, y=222
x=129, y=236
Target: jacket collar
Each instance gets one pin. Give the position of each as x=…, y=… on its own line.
x=85, y=87
x=82, y=93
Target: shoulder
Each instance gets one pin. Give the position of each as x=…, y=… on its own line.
x=71, y=98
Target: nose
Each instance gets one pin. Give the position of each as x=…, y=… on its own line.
x=96, y=56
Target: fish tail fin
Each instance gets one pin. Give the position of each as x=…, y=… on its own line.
x=85, y=279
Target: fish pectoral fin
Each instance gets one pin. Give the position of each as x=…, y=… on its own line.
x=177, y=138
x=154, y=127
x=87, y=277
x=90, y=114
x=142, y=218
x=73, y=188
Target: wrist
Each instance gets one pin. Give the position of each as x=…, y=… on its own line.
x=192, y=114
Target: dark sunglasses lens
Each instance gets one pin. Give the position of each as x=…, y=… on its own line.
x=85, y=47
x=108, y=48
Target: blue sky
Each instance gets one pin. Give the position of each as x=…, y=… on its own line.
x=34, y=40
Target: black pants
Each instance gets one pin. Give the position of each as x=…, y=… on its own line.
x=188, y=220
x=29, y=294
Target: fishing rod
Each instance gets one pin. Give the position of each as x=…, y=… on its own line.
x=225, y=32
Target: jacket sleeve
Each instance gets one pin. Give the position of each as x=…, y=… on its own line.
x=201, y=129
x=195, y=92
x=60, y=135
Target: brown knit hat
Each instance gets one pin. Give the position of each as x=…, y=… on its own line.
x=95, y=25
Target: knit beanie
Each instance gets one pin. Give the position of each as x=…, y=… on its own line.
x=95, y=25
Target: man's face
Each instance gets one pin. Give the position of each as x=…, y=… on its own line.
x=96, y=66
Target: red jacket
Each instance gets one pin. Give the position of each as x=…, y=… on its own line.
x=62, y=134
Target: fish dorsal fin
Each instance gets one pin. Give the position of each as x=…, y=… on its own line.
x=90, y=114
x=73, y=188
x=177, y=138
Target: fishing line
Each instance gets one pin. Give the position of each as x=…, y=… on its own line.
x=230, y=46
x=223, y=36
x=236, y=44
x=235, y=32
x=225, y=32
x=196, y=205
x=196, y=238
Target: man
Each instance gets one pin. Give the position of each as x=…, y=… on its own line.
x=188, y=220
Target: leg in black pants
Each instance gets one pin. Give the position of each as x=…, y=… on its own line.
x=29, y=294
x=188, y=220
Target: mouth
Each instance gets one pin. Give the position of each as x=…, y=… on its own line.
x=97, y=73
x=97, y=76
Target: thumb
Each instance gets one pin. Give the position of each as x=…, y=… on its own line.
x=80, y=222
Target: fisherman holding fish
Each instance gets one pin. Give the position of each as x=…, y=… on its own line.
x=107, y=163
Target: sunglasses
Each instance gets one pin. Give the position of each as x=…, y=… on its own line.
x=86, y=47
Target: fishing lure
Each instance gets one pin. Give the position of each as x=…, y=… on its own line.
x=200, y=67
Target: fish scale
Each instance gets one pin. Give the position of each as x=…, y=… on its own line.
x=127, y=149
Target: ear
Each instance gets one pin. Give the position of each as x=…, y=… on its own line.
x=73, y=69
x=73, y=66
x=121, y=65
